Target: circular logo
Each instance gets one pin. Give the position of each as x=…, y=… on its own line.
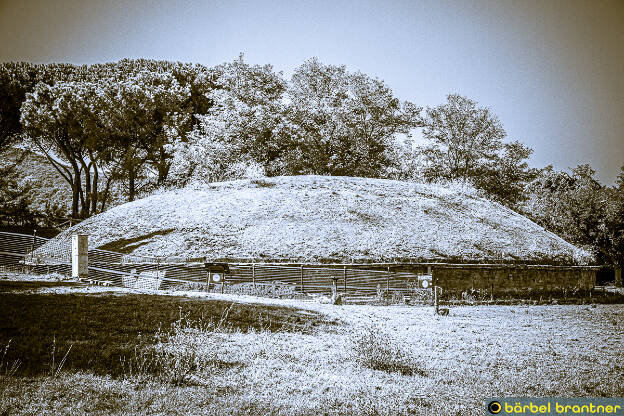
x=216, y=278
x=425, y=284
x=494, y=408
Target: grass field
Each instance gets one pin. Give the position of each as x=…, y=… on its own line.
x=269, y=356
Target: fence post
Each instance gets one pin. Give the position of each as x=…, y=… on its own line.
x=32, y=248
x=302, y=287
x=388, y=281
x=253, y=276
x=209, y=279
x=80, y=258
x=344, y=278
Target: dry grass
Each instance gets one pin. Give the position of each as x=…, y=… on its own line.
x=319, y=219
x=375, y=349
x=381, y=360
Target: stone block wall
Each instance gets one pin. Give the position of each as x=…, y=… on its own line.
x=512, y=279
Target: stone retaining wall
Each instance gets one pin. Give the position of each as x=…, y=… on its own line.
x=501, y=279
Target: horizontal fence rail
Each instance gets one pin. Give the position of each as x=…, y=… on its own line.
x=145, y=272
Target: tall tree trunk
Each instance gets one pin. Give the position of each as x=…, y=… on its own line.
x=95, y=197
x=76, y=190
x=163, y=166
x=131, y=184
x=618, y=275
x=86, y=201
x=75, y=198
x=94, y=189
x=106, y=192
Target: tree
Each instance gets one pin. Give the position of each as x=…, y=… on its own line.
x=15, y=81
x=343, y=123
x=505, y=177
x=14, y=197
x=572, y=205
x=62, y=123
x=464, y=138
x=612, y=240
x=240, y=133
x=18, y=79
x=578, y=208
x=142, y=117
x=466, y=144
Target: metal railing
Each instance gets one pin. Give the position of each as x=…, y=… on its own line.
x=39, y=255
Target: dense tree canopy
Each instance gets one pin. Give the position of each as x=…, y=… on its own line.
x=464, y=138
x=54, y=118
x=239, y=133
x=344, y=123
x=466, y=144
x=135, y=125
x=578, y=208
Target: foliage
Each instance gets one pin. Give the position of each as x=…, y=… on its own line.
x=14, y=195
x=142, y=115
x=611, y=242
x=343, y=123
x=465, y=138
x=377, y=350
x=577, y=207
x=236, y=137
x=20, y=78
x=504, y=180
x=466, y=143
x=60, y=121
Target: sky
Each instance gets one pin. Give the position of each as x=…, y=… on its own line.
x=552, y=71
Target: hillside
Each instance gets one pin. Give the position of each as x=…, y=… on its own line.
x=48, y=190
x=322, y=219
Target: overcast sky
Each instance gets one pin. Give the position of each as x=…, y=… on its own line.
x=553, y=71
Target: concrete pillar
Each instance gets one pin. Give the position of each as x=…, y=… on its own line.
x=80, y=259
x=618, y=275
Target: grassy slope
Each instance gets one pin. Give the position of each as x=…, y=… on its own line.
x=47, y=185
x=316, y=218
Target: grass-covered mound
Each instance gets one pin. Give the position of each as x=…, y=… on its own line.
x=321, y=219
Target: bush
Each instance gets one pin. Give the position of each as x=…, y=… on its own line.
x=377, y=350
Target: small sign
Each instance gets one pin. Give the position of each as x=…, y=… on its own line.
x=425, y=281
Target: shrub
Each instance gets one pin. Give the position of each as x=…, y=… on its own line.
x=270, y=290
x=263, y=183
x=377, y=350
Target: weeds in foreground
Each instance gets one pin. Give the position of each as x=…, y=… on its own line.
x=184, y=355
x=8, y=368
x=377, y=350
x=55, y=368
